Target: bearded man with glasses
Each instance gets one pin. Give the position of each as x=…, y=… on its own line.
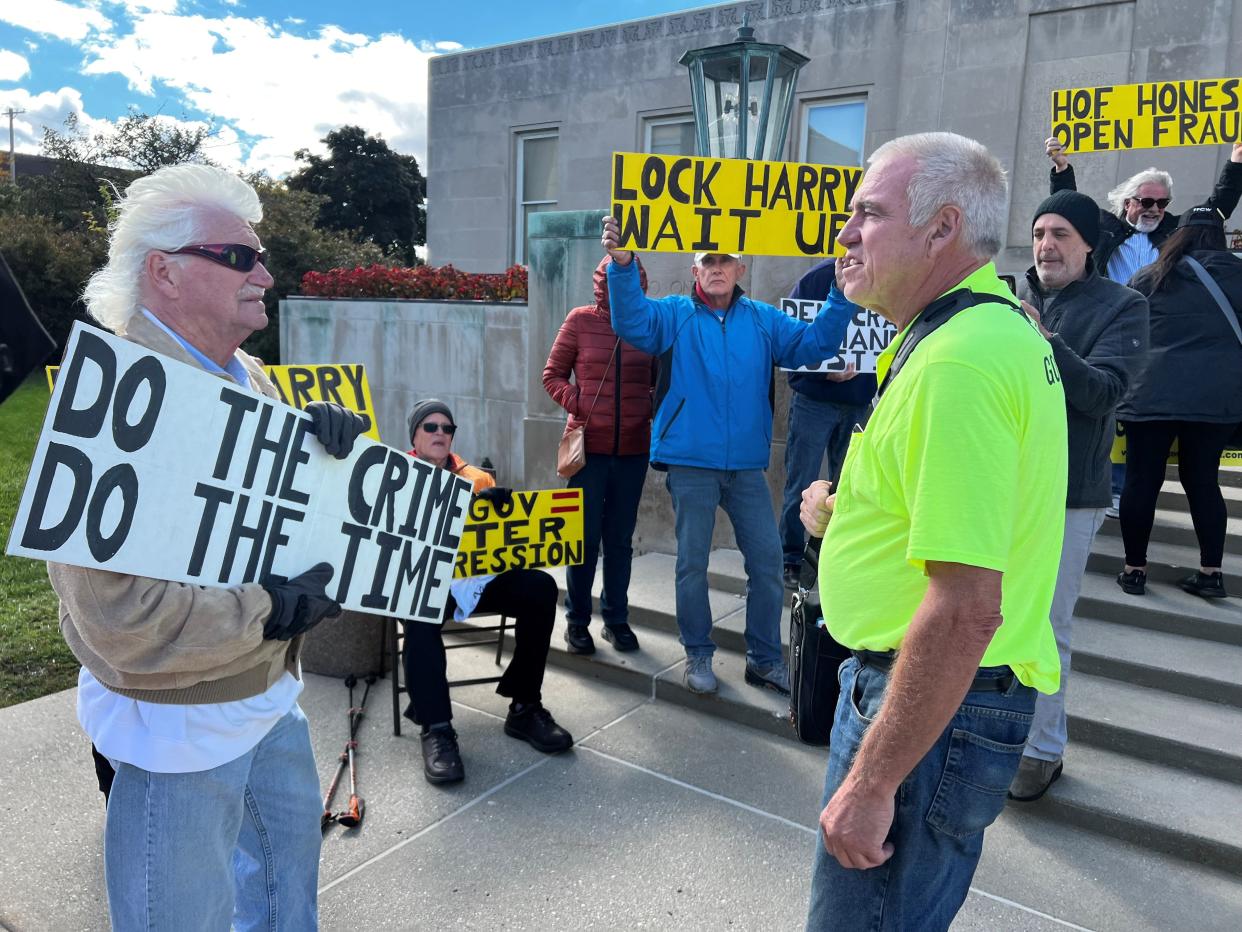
x=189, y=693
x=1139, y=222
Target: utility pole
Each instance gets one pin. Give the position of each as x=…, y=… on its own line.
x=10, y=113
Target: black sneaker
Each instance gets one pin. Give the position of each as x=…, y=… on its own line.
x=1207, y=585
x=579, y=639
x=535, y=725
x=621, y=637
x=793, y=576
x=1133, y=582
x=441, y=759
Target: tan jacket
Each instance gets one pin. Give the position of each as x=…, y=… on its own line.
x=169, y=642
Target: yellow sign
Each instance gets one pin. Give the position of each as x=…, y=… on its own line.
x=298, y=385
x=536, y=529
x=674, y=203
x=1229, y=459
x=1156, y=115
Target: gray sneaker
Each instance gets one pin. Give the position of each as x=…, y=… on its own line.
x=1033, y=778
x=1114, y=510
x=774, y=676
x=699, y=677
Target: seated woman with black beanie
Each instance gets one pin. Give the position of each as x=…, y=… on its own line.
x=528, y=596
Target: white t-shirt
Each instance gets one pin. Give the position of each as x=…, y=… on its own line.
x=165, y=738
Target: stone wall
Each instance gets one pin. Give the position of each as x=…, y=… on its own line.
x=984, y=68
x=469, y=354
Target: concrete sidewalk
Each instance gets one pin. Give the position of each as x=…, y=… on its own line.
x=660, y=818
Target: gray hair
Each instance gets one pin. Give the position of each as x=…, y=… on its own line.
x=166, y=210
x=954, y=170
x=1129, y=188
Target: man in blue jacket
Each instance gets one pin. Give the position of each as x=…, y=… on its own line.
x=712, y=432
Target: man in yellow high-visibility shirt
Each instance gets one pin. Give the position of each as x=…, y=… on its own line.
x=938, y=566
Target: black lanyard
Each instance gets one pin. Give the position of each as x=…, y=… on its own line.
x=934, y=316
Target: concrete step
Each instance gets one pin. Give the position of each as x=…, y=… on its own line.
x=1176, y=663
x=1151, y=724
x=1191, y=816
x=1175, y=527
x=1163, y=607
x=1166, y=563
x=1229, y=476
x=652, y=602
x=1173, y=497
x=656, y=670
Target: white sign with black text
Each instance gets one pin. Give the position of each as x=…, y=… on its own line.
x=151, y=467
x=866, y=337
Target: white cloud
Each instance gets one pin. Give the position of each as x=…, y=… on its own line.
x=282, y=90
x=54, y=18
x=13, y=67
x=47, y=109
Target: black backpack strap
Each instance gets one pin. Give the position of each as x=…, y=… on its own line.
x=934, y=316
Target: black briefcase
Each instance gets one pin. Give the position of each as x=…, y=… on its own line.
x=814, y=658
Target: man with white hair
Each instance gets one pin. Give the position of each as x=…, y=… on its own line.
x=712, y=435
x=938, y=564
x=1132, y=232
x=190, y=693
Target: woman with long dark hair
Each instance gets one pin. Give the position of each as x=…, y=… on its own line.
x=1191, y=392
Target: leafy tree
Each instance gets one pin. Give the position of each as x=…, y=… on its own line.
x=370, y=191
x=296, y=246
x=137, y=144
x=52, y=265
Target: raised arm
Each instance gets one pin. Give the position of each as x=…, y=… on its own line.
x=1061, y=177
x=795, y=343
x=644, y=323
x=1229, y=185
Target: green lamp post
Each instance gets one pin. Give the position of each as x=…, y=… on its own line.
x=743, y=95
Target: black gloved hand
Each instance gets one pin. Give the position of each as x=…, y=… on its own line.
x=497, y=495
x=300, y=603
x=336, y=427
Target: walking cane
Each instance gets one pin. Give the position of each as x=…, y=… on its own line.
x=352, y=817
x=327, y=818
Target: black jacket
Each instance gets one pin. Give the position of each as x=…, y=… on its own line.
x=1195, y=367
x=1114, y=230
x=1099, y=341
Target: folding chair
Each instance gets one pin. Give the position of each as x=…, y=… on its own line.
x=394, y=639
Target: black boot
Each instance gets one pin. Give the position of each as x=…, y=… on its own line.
x=441, y=759
x=535, y=725
x=579, y=639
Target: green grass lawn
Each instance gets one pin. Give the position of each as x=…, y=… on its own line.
x=34, y=660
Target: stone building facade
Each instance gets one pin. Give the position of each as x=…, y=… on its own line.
x=526, y=127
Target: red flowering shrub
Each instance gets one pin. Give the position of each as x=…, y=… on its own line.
x=422, y=281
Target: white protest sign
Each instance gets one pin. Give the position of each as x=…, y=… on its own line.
x=151, y=467
x=866, y=337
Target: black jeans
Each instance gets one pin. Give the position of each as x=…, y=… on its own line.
x=1199, y=446
x=611, y=489
x=528, y=597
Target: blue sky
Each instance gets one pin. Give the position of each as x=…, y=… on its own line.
x=268, y=77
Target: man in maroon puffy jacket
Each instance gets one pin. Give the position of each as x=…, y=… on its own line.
x=611, y=395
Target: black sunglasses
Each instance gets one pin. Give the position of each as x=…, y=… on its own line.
x=236, y=256
x=1150, y=202
x=431, y=428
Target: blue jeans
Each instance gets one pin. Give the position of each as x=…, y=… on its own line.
x=954, y=793
x=612, y=487
x=816, y=428
x=744, y=496
x=237, y=844
x=1118, y=481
